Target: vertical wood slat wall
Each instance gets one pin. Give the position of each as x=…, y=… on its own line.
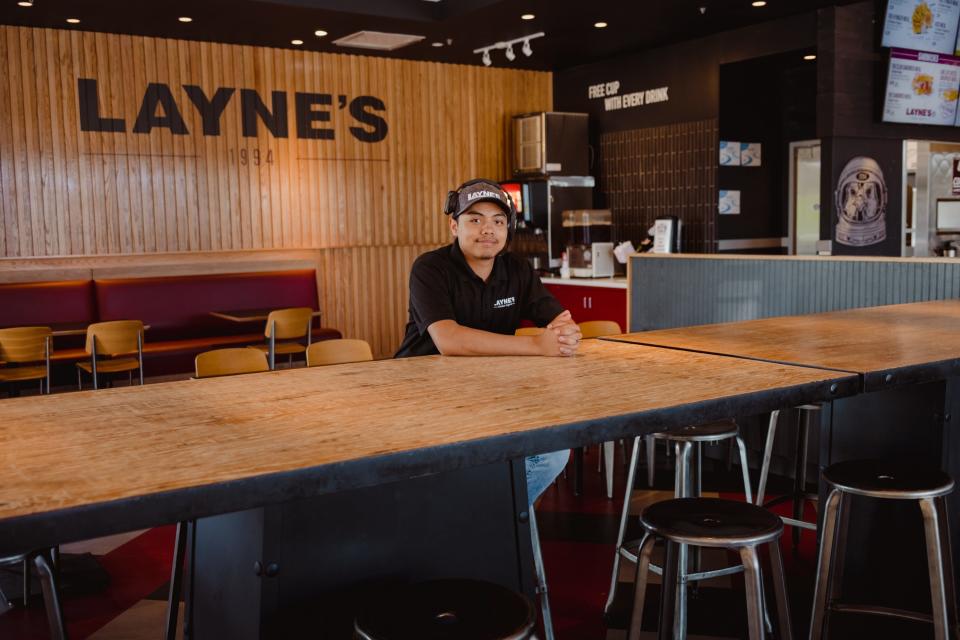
x=369, y=208
x=663, y=171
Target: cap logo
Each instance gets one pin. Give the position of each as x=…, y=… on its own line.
x=483, y=194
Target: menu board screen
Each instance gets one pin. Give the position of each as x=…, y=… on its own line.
x=923, y=25
x=922, y=88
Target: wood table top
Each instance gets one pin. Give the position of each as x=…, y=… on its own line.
x=248, y=315
x=133, y=457
x=894, y=344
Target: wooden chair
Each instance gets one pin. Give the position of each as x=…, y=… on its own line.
x=338, y=352
x=528, y=331
x=25, y=347
x=289, y=325
x=114, y=347
x=598, y=328
x=228, y=362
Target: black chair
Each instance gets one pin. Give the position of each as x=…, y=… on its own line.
x=447, y=609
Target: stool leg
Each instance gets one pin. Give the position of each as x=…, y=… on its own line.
x=541, y=577
x=751, y=579
x=835, y=583
x=608, y=451
x=682, y=489
x=744, y=468
x=785, y=629
x=624, y=514
x=821, y=588
x=640, y=587
x=935, y=564
x=649, y=441
x=767, y=453
x=51, y=598
x=953, y=620
x=668, y=593
x=800, y=474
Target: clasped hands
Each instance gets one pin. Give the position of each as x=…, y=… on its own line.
x=561, y=337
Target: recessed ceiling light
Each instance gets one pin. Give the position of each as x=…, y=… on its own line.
x=436, y=44
x=25, y=3
x=73, y=20
x=600, y=25
x=185, y=19
x=759, y=3
x=319, y=33
x=527, y=16
x=810, y=56
x=296, y=42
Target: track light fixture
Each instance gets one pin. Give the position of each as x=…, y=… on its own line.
x=508, y=48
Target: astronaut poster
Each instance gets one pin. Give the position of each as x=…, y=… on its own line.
x=865, y=193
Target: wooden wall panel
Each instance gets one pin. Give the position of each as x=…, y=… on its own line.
x=362, y=211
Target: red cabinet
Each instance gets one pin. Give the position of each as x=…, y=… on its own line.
x=591, y=302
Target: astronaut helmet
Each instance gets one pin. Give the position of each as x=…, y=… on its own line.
x=861, y=203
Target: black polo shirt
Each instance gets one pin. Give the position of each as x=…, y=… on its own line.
x=444, y=287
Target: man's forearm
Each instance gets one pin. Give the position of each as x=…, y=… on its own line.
x=457, y=340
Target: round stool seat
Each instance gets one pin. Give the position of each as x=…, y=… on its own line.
x=711, y=522
x=448, y=609
x=888, y=479
x=710, y=432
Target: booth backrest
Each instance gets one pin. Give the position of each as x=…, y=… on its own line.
x=179, y=307
x=45, y=303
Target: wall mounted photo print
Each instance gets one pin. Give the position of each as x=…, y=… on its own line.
x=861, y=203
x=729, y=153
x=750, y=154
x=729, y=204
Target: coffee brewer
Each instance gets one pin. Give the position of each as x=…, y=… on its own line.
x=588, y=245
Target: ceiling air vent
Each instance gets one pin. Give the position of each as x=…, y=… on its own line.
x=377, y=40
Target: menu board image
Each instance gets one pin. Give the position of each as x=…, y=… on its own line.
x=922, y=88
x=923, y=25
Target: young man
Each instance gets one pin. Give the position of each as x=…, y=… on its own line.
x=468, y=298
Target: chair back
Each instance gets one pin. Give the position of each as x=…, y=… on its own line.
x=228, y=362
x=338, y=352
x=115, y=337
x=290, y=323
x=528, y=331
x=598, y=328
x=25, y=344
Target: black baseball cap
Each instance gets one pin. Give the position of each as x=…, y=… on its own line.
x=480, y=191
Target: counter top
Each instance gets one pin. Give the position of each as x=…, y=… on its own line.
x=608, y=283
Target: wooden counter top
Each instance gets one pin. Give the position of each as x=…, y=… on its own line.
x=83, y=464
x=893, y=344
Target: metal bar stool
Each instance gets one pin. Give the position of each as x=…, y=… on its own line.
x=684, y=487
x=710, y=522
x=799, y=494
x=447, y=609
x=48, y=584
x=886, y=481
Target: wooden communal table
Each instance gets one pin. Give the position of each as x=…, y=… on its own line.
x=890, y=345
x=907, y=357
x=404, y=468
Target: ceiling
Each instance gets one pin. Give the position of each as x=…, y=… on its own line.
x=460, y=25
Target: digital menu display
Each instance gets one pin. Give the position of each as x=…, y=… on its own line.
x=922, y=88
x=922, y=25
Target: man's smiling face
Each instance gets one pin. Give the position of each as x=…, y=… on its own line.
x=481, y=231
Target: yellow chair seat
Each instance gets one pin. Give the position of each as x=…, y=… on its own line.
x=111, y=366
x=282, y=348
x=11, y=374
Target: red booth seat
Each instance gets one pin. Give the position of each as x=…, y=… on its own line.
x=177, y=309
x=43, y=303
